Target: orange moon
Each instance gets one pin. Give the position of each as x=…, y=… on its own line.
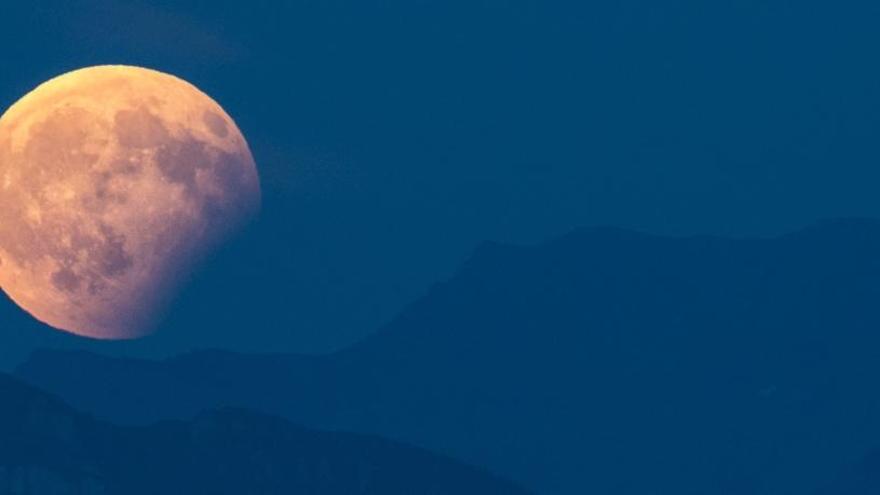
x=114, y=182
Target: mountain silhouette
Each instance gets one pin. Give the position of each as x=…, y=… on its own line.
x=861, y=478
x=49, y=449
x=606, y=361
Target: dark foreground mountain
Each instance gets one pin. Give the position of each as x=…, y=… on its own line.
x=46, y=448
x=604, y=362
x=862, y=478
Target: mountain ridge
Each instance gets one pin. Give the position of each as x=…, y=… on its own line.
x=50, y=449
x=568, y=364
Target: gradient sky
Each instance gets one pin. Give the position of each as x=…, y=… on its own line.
x=393, y=137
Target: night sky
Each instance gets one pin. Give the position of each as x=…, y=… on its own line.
x=394, y=137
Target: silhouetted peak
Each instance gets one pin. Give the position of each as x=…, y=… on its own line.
x=17, y=396
x=844, y=237
x=604, y=233
x=843, y=225
x=488, y=250
x=615, y=342
x=226, y=420
x=53, y=355
x=47, y=448
x=862, y=478
x=9, y=385
x=839, y=231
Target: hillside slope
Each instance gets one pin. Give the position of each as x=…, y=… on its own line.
x=705, y=365
x=47, y=448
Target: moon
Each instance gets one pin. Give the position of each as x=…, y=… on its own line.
x=114, y=182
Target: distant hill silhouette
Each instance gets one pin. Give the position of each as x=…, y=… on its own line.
x=862, y=478
x=606, y=361
x=46, y=448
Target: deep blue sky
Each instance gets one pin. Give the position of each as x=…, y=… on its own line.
x=393, y=137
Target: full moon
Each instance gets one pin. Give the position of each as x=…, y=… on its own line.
x=114, y=182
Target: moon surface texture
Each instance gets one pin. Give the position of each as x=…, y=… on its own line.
x=114, y=182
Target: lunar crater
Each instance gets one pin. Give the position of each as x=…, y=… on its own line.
x=216, y=124
x=139, y=129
